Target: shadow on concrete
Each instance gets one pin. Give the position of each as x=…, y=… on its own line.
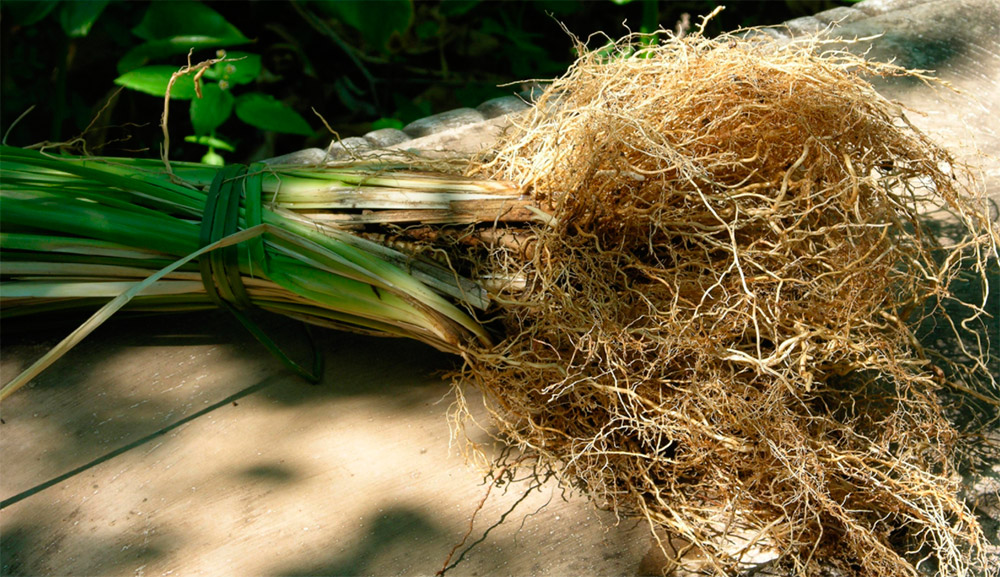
x=271, y=473
x=132, y=445
x=393, y=370
x=106, y=398
x=100, y=415
x=526, y=536
x=97, y=406
x=27, y=545
x=388, y=539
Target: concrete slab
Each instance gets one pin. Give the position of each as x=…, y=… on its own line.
x=177, y=446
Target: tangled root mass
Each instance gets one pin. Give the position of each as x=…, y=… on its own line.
x=717, y=329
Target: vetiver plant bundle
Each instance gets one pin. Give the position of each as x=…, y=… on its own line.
x=689, y=282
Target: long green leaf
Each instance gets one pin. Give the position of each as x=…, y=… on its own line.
x=105, y=312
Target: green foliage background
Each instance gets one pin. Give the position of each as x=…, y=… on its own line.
x=359, y=64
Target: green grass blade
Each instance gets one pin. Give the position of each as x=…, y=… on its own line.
x=105, y=312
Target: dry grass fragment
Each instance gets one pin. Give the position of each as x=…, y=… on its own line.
x=717, y=326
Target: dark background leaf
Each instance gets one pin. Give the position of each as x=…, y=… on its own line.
x=267, y=113
x=28, y=13
x=159, y=49
x=238, y=68
x=77, y=18
x=212, y=109
x=176, y=27
x=153, y=80
x=376, y=21
x=165, y=20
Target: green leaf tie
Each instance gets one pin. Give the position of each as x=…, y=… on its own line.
x=220, y=269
